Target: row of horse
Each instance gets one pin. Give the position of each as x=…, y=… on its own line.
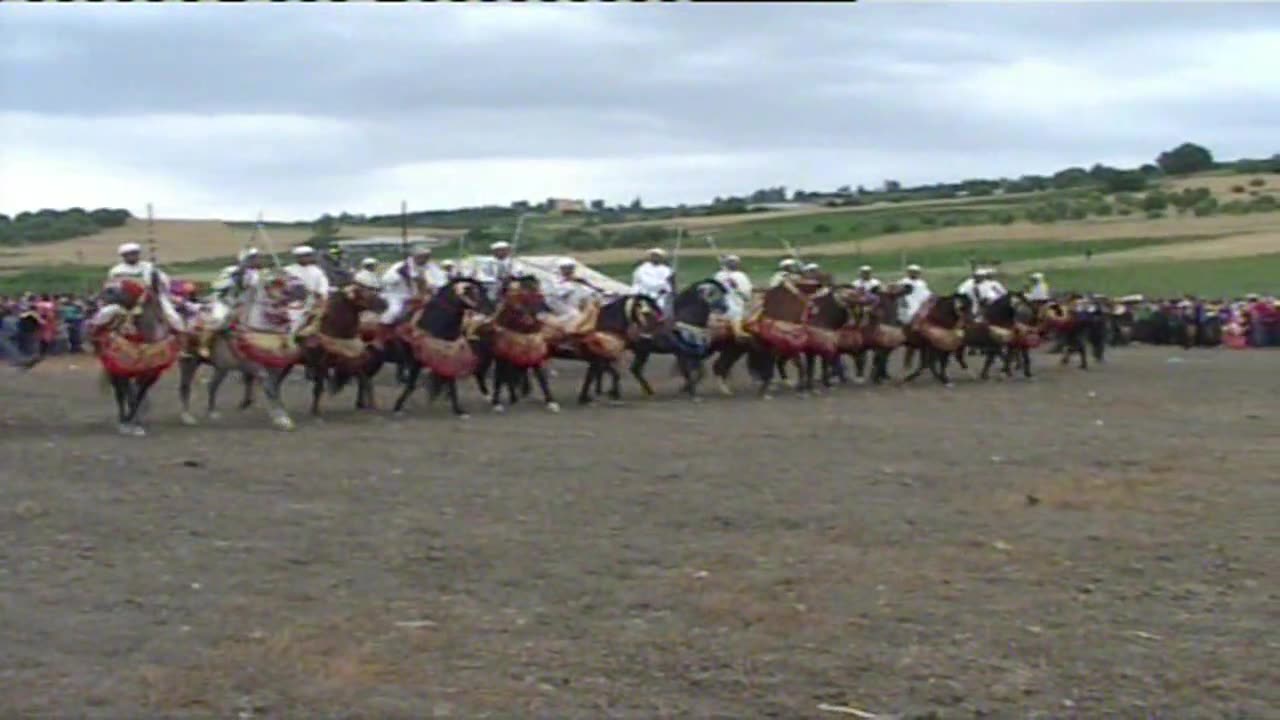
x=505, y=344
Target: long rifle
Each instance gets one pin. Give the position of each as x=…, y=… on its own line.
x=151, y=234
x=404, y=230
x=789, y=247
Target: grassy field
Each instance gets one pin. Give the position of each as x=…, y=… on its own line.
x=1128, y=251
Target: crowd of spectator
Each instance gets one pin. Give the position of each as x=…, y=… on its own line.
x=34, y=325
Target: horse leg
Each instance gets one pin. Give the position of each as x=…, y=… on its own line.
x=880, y=366
x=638, y=361
x=215, y=382
x=1026, y=362
x=452, y=386
x=541, y=375
x=723, y=364
x=317, y=374
x=410, y=384
x=482, y=372
x=615, y=388
x=138, y=403
x=247, y=401
x=499, y=376
x=121, y=388
x=987, y=362
x=907, y=356
x=860, y=365
x=925, y=354
x=187, y=368
x=943, y=360
x=272, y=380
x=593, y=371
x=959, y=356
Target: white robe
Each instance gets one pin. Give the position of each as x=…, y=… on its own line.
x=652, y=280
x=738, y=298
x=144, y=272
x=911, y=302
x=868, y=285
x=316, y=282
x=398, y=289
x=368, y=278
x=1039, y=291
x=779, y=278
x=969, y=288
x=261, y=312
x=567, y=298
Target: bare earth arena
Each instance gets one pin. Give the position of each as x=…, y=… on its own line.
x=1087, y=544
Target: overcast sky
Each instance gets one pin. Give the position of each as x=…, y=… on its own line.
x=212, y=110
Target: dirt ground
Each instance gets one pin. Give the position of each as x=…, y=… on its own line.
x=1086, y=545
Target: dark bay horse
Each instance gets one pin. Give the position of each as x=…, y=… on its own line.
x=936, y=333
x=998, y=334
x=135, y=348
x=436, y=338
x=779, y=334
x=336, y=351
x=518, y=342
x=829, y=312
x=687, y=335
x=1080, y=326
x=618, y=323
x=880, y=332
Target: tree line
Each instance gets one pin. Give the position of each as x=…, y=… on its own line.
x=44, y=226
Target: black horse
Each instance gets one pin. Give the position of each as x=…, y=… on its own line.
x=685, y=335
x=445, y=350
x=617, y=322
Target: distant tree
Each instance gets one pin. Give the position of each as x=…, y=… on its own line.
x=1069, y=178
x=1124, y=182
x=1149, y=169
x=326, y=227
x=892, y=186
x=1155, y=201
x=637, y=204
x=1185, y=159
x=844, y=190
x=597, y=205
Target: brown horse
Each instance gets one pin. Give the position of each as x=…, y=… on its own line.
x=336, y=351
x=438, y=338
x=517, y=338
x=879, y=332
x=936, y=332
x=135, y=348
x=829, y=319
x=779, y=334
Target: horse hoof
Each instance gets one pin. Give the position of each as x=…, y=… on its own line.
x=463, y=416
x=124, y=429
x=553, y=407
x=499, y=408
x=695, y=400
x=284, y=423
x=215, y=416
x=138, y=431
x=616, y=403
x=189, y=420
x=766, y=397
x=725, y=389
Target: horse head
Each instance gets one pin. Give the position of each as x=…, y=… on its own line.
x=785, y=302
x=695, y=304
x=464, y=294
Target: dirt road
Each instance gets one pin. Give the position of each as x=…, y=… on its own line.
x=1085, y=545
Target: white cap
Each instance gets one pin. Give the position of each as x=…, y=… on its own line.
x=369, y=262
x=129, y=247
x=785, y=263
x=247, y=253
x=731, y=258
x=1038, y=275
x=370, y=283
x=913, y=268
x=565, y=262
x=812, y=266
x=446, y=263
x=864, y=268
x=304, y=250
x=657, y=251
x=500, y=245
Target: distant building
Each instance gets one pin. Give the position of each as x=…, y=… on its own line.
x=387, y=245
x=561, y=206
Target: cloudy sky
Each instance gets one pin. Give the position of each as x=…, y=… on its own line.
x=225, y=110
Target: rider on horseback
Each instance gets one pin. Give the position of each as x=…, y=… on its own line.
x=412, y=277
x=571, y=298
x=314, y=278
x=127, y=283
x=738, y=299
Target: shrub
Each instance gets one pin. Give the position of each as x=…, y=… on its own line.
x=1077, y=212
x=821, y=229
x=929, y=220
x=1265, y=203
x=891, y=226
x=1124, y=211
x=1155, y=214
x=855, y=227
x=950, y=221
x=1002, y=218
x=1126, y=199
x=1207, y=206
x=1235, y=207
x=1257, y=182
x=1237, y=189
x=1155, y=201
